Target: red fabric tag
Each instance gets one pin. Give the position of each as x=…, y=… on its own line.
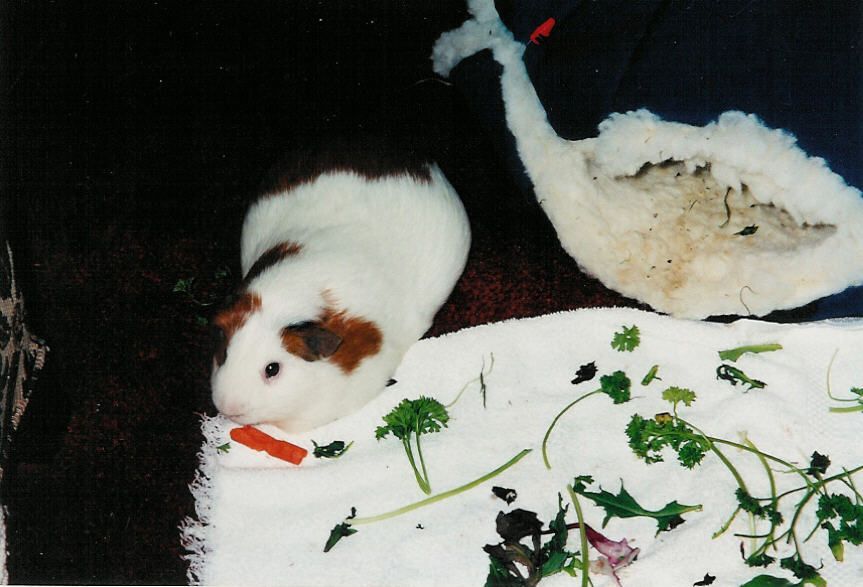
x=542, y=31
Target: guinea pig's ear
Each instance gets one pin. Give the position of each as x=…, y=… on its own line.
x=221, y=344
x=310, y=341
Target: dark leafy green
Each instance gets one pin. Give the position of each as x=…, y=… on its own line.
x=340, y=531
x=623, y=505
x=507, y=495
x=585, y=373
x=749, y=230
x=522, y=533
x=818, y=464
x=333, y=450
x=734, y=376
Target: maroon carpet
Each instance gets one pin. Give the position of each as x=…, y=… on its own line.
x=135, y=135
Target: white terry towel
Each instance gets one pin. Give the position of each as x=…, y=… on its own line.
x=264, y=522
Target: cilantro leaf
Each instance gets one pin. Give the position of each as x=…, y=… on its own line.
x=224, y=448
x=616, y=386
x=627, y=339
x=676, y=395
x=623, y=505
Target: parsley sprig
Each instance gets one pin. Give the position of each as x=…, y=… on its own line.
x=410, y=420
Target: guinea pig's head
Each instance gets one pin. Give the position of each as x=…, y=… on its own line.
x=293, y=373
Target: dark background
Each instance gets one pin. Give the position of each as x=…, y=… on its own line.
x=132, y=135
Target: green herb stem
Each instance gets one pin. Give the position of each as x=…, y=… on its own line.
x=823, y=482
x=847, y=480
x=774, y=502
x=840, y=410
x=481, y=378
x=849, y=409
x=425, y=475
x=735, y=353
x=582, y=533
x=711, y=442
x=726, y=525
x=755, y=451
x=420, y=480
x=441, y=496
x=829, y=391
x=554, y=422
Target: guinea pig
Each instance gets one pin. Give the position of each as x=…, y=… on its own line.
x=347, y=255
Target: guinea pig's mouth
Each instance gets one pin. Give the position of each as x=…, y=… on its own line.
x=240, y=418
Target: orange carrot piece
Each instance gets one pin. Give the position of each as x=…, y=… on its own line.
x=259, y=440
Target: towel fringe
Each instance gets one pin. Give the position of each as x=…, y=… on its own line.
x=195, y=531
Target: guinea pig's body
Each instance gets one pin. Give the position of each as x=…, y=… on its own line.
x=345, y=265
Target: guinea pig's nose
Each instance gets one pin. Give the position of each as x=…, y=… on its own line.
x=230, y=409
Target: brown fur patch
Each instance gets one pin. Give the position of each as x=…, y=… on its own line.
x=360, y=338
x=269, y=258
x=232, y=319
x=357, y=339
x=369, y=157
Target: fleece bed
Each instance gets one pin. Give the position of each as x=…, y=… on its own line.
x=261, y=521
x=704, y=158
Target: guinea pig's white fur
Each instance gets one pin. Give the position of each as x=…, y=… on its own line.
x=344, y=271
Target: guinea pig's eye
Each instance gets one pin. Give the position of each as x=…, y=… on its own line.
x=271, y=370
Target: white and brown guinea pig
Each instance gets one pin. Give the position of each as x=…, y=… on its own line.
x=347, y=256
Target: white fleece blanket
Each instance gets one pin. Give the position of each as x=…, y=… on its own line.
x=264, y=522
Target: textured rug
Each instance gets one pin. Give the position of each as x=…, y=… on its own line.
x=261, y=521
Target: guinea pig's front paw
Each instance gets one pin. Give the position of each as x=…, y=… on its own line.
x=295, y=424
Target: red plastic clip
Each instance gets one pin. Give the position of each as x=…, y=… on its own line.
x=542, y=31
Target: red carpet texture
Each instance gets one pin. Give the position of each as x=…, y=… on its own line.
x=133, y=134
